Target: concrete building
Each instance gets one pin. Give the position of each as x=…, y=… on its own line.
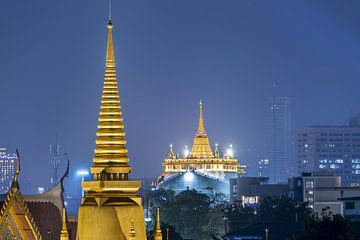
x=334, y=148
x=321, y=190
x=7, y=168
x=351, y=207
x=249, y=190
x=280, y=161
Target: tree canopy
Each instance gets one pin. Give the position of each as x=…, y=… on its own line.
x=192, y=214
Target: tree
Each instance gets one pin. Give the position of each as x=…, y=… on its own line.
x=271, y=213
x=192, y=214
x=327, y=226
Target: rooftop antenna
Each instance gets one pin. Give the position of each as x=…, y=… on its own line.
x=109, y=11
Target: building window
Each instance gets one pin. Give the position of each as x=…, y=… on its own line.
x=350, y=205
x=309, y=184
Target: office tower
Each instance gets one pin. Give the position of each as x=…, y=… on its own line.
x=280, y=163
x=263, y=167
x=331, y=148
x=55, y=161
x=7, y=168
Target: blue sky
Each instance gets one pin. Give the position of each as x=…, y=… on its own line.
x=171, y=54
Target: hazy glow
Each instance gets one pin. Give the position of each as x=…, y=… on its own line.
x=189, y=177
x=230, y=152
x=186, y=152
x=41, y=190
x=82, y=173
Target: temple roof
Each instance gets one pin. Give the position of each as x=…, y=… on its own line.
x=201, y=146
x=34, y=215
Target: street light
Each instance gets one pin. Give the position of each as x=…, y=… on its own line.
x=82, y=174
x=266, y=233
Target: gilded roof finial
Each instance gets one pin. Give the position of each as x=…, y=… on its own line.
x=171, y=153
x=15, y=184
x=64, y=234
x=201, y=129
x=157, y=232
x=216, y=152
x=201, y=146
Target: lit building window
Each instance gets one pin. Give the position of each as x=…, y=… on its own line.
x=309, y=184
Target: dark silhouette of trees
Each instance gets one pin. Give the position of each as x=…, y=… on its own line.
x=283, y=217
x=192, y=214
x=327, y=226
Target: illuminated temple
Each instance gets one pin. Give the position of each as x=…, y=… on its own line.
x=201, y=168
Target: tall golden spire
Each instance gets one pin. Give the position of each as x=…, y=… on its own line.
x=201, y=129
x=201, y=146
x=110, y=150
x=64, y=234
x=111, y=198
x=157, y=232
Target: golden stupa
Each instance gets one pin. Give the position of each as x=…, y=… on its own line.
x=111, y=208
x=201, y=158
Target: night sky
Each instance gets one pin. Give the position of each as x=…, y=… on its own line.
x=170, y=54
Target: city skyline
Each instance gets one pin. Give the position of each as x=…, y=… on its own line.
x=55, y=93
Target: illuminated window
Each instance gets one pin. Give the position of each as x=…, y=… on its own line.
x=309, y=184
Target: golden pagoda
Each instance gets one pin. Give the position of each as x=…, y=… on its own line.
x=157, y=232
x=64, y=234
x=111, y=208
x=201, y=146
x=201, y=168
x=201, y=158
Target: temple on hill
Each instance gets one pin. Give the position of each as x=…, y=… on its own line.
x=35, y=217
x=111, y=207
x=202, y=169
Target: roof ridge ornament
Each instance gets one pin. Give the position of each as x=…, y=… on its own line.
x=15, y=183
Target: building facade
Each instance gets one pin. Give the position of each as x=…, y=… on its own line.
x=263, y=167
x=331, y=148
x=202, y=169
x=249, y=190
x=279, y=148
x=321, y=190
x=7, y=168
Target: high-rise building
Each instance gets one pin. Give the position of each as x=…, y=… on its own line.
x=55, y=162
x=7, y=168
x=331, y=148
x=280, y=161
x=263, y=167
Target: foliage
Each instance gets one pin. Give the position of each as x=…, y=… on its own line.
x=192, y=214
x=273, y=214
x=327, y=226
